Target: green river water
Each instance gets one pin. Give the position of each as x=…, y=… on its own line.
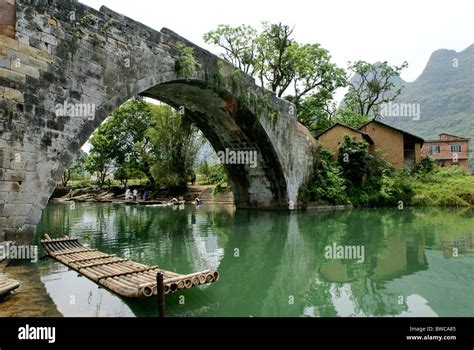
x=415, y=262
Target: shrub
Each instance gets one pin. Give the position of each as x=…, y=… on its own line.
x=451, y=171
x=426, y=165
x=326, y=182
x=354, y=161
x=217, y=174
x=370, y=180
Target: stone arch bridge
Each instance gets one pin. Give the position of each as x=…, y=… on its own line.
x=63, y=53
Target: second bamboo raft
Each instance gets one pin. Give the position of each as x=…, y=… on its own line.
x=122, y=276
x=7, y=286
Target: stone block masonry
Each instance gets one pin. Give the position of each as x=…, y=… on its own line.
x=63, y=53
x=7, y=18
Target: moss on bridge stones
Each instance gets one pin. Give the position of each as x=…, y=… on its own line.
x=186, y=63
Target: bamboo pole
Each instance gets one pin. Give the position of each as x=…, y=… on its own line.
x=95, y=261
x=180, y=278
x=202, y=279
x=114, y=280
x=61, y=245
x=191, y=275
x=113, y=261
x=67, y=244
x=161, y=294
x=164, y=272
x=188, y=283
x=147, y=291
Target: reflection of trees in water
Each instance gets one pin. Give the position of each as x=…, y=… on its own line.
x=319, y=300
x=285, y=296
x=258, y=239
x=279, y=254
x=372, y=299
x=159, y=236
x=56, y=220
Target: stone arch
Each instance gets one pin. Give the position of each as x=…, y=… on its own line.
x=102, y=58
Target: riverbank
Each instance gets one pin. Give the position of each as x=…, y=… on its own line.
x=116, y=194
x=443, y=187
x=31, y=299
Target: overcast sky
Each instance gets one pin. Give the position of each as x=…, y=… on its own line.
x=362, y=29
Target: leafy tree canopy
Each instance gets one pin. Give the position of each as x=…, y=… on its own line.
x=301, y=73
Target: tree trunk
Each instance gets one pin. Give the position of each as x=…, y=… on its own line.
x=65, y=178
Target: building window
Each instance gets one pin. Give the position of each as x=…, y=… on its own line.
x=434, y=149
x=455, y=148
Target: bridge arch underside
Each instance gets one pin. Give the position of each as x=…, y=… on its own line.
x=227, y=126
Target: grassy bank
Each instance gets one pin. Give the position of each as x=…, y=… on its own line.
x=443, y=187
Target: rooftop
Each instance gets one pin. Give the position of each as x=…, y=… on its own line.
x=399, y=130
x=365, y=135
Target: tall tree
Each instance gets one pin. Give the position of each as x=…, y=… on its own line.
x=127, y=127
x=372, y=86
x=176, y=143
x=277, y=51
x=121, y=145
x=76, y=167
x=239, y=45
x=100, y=160
x=279, y=63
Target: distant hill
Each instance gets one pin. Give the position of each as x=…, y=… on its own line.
x=445, y=92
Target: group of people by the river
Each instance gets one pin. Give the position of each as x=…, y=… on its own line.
x=180, y=201
x=133, y=196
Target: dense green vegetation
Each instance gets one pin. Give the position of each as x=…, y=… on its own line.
x=120, y=145
x=326, y=182
x=176, y=143
x=443, y=187
x=142, y=141
x=143, y=144
x=356, y=177
x=301, y=73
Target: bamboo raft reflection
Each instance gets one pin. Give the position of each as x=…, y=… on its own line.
x=122, y=276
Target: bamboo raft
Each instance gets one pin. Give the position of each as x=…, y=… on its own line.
x=7, y=286
x=122, y=276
